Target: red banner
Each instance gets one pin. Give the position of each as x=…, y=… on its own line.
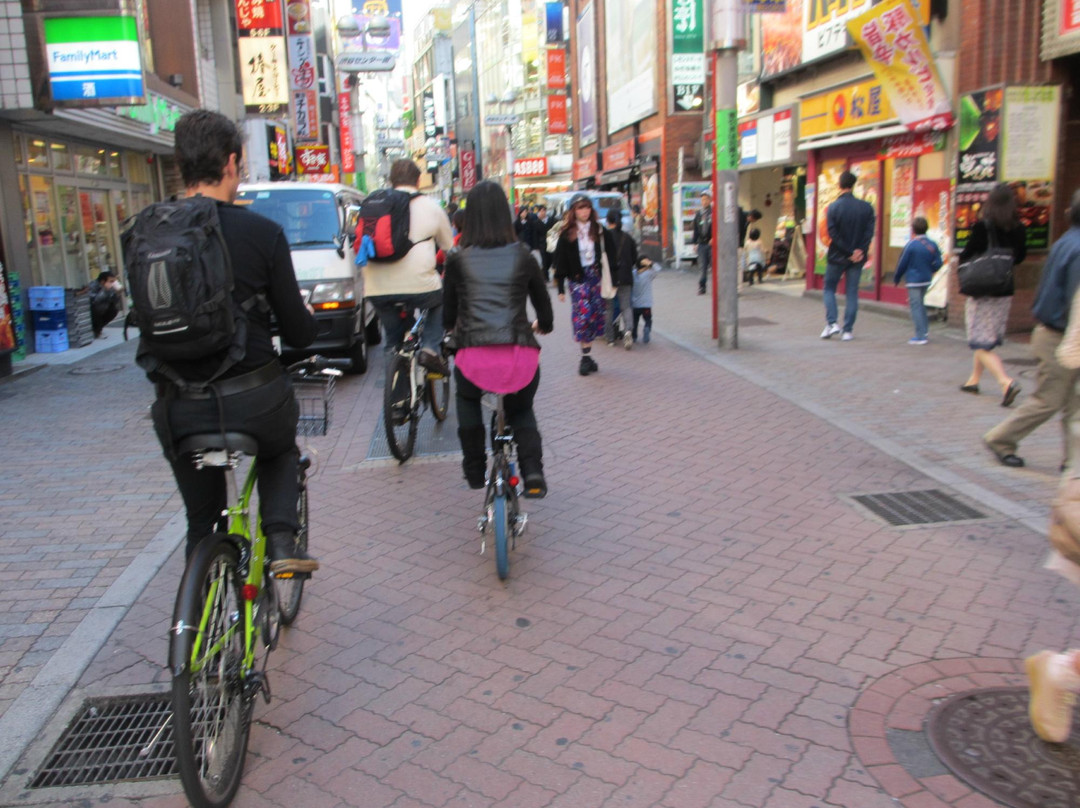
x=556, y=69
x=531, y=167
x=468, y=170
x=619, y=156
x=282, y=150
x=256, y=14
x=312, y=159
x=556, y=106
x=348, y=159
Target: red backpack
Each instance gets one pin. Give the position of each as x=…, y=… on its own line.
x=384, y=219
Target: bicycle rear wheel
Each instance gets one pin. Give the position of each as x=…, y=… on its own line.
x=399, y=412
x=211, y=710
x=502, y=536
x=438, y=388
x=290, y=590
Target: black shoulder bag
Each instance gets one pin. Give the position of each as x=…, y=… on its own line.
x=989, y=274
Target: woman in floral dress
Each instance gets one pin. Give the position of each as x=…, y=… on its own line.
x=577, y=259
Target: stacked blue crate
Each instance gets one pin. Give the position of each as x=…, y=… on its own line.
x=50, y=318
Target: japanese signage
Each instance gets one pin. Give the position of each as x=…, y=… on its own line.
x=932, y=203
x=631, y=67
x=158, y=111
x=1061, y=28
x=428, y=109
x=557, y=123
x=468, y=170
x=303, y=76
x=852, y=106
x=531, y=167
x=263, y=57
x=903, y=193
x=727, y=141
x=556, y=68
x=688, y=55
x=312, y=159
x=620, y=155
x=258, y=15
x=587, y=166
x=553, y=14
x=766, y=139
x=807, y=30
x=94, y=61
x=896, y=48
x=364, y=11
x=913, y=144
x=348, y=158
x=586, y=60
x=977, y=163
x=1029, y=155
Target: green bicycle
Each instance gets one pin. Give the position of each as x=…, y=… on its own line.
x=230, y=608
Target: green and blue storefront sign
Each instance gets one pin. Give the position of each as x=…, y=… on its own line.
x=94, y=60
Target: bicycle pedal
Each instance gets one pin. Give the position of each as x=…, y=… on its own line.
x=291, y=576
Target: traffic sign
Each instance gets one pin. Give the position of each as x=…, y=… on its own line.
x=502, y=120
x=365, y=61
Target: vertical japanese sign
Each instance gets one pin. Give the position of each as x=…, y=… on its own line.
x=932, y=204
x=556, y=107
x=586, y=55
x=553, y=13
x=468, y=170
x=1029, y=155
x=556, y=69
x=894, y=45
x=303, y=76
x=688, y=55
x=94, y=61
x=262, y=55
x=977, y=166
x=348, y=158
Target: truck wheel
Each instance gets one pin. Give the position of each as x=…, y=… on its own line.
x=358, y=355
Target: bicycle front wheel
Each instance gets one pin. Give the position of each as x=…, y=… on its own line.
x=211, y=710
x=438, y=389
x=290, y=590
x=399, y=411
x=502, y=536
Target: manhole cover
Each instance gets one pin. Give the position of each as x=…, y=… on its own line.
x=985, y=738
x=917, y=507
x=103, y=743
x=87, y=371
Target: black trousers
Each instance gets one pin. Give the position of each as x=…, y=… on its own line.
x=518, y=406
x=269, y=414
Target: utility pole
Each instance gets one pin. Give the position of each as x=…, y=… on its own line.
x=727, y=38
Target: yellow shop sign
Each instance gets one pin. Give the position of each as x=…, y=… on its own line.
x=852, y=106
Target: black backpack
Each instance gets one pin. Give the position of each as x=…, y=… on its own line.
x=384, y=219
x=180, y=275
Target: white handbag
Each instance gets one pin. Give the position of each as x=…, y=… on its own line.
x=607, y=288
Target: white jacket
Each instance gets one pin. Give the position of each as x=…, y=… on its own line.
x=415, y=273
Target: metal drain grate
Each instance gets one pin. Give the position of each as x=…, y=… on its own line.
x=985, y=738
x=102, y=743
x=917, y=507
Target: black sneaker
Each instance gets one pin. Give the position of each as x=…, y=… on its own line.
x=593, y=367
x=535, y=486
x=287, y=556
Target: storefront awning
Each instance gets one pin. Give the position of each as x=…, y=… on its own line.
x=622, y=175
x=839, y=139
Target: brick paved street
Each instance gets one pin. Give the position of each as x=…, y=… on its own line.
x=697, y=616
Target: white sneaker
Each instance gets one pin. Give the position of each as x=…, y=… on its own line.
x=847, y=336
x=830, y=329
x=627, y=340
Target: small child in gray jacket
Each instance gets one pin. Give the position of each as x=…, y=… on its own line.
x=641, y=298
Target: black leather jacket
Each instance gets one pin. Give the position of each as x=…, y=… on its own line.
x=484, y=292
x=567, y=258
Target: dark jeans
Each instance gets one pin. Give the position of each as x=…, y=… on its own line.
x=638, y=314
x=394, y=326
x=518, y=406
x=704, y=258
x=851, y=276
x=269, y=414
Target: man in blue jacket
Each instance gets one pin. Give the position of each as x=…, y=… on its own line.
x=851, y=229
x=1056, y=384
x=920, y=259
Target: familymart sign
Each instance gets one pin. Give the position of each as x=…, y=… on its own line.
x=94, y=61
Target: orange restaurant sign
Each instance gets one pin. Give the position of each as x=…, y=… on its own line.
x=853, y=106
x=894, y=45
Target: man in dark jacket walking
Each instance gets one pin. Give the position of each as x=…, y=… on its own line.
x=702, y=239
x=621, y=263
x=851, y=229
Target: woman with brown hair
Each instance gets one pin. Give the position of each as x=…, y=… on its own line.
x=577, y=258
x=986, y=317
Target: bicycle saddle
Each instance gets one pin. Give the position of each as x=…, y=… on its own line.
x=209, y=441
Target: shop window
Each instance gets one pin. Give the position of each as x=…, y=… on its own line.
x=138, y=170
x=114, y=165
x=61, y=156
x=71, y=231
x=28, y=225
x=17, y=146
x=44, y=242
x=38, y=153
x=89, y=160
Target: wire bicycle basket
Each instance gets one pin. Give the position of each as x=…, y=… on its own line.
x=315, y=396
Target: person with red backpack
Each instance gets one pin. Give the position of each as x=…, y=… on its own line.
x=399, y=242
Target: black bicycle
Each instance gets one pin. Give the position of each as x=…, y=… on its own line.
x=411, y=388
x=502, y=516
